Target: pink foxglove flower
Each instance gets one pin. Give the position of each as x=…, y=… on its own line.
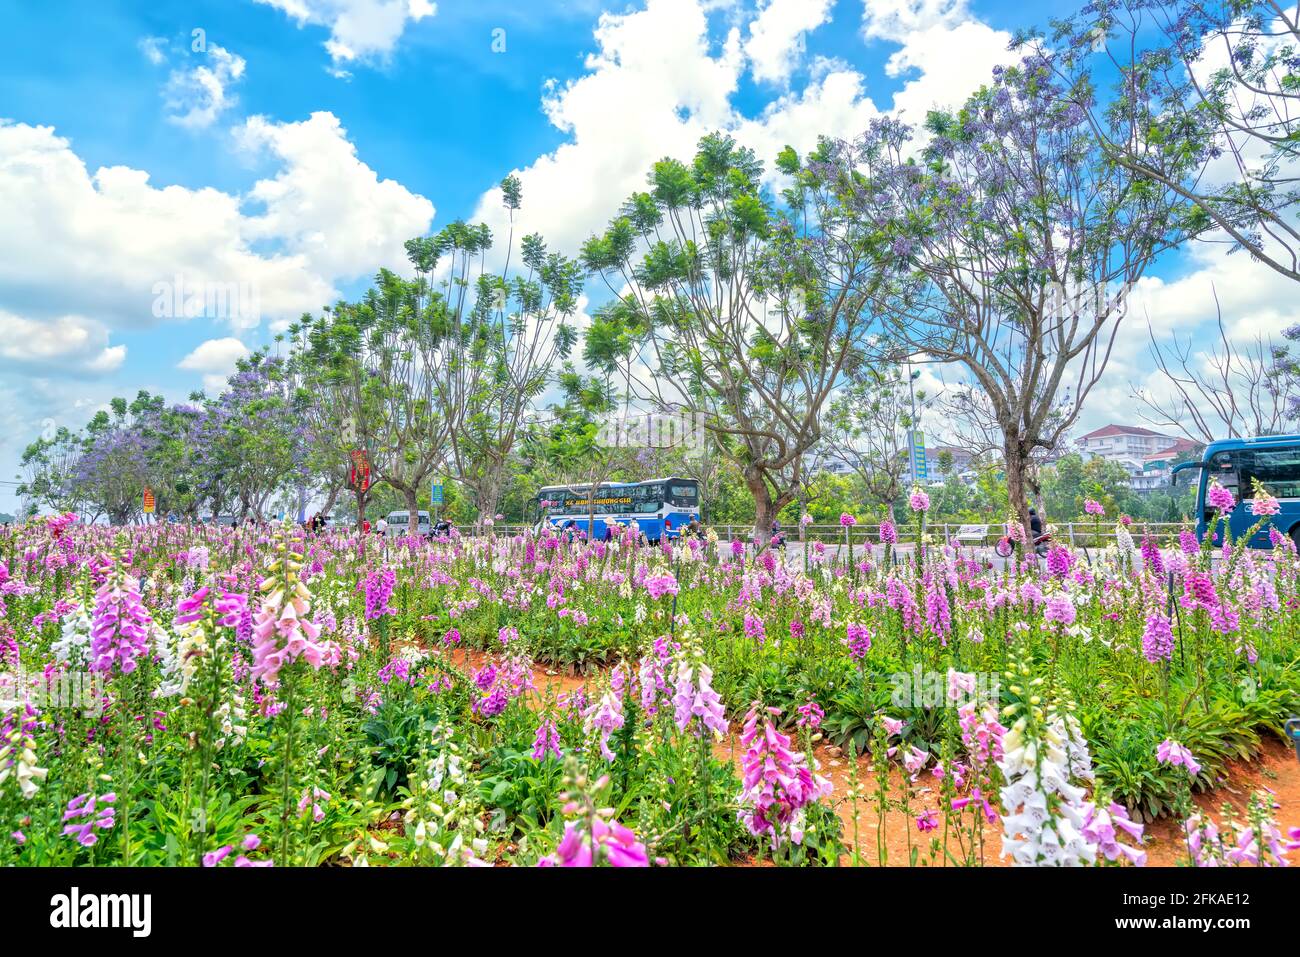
x=695, y=699
x=546, y=740
x=777, y=782
x=1264, y=504
x=604, y=717
x=1219, y=498
x=282, y=633
x=120, y=631
x=858, y=641
x=615, y=844
x=95, y=812
x=1157, y=638
x=661, y=584
x=1172, y=753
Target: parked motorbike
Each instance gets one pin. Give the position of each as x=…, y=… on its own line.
x=1006, y=545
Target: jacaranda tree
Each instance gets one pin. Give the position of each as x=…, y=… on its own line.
x=1010, y=239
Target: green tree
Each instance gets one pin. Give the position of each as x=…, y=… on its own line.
x=745, y=316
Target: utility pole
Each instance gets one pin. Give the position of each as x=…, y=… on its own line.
x=912, y=376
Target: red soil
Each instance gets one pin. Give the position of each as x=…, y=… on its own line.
x=1276, y=769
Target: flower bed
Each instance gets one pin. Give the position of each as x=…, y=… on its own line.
x=206, y=696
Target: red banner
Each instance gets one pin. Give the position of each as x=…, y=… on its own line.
x=148, y=501
x=360, y=476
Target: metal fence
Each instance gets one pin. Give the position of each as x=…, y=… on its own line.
x=1077, y=534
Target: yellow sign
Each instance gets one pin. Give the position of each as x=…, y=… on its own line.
x=148, y=501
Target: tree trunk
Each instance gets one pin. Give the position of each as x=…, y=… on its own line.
x=333, y=495
x=413, y=509
x=361, y=496
x=487, y=493
x=803, y=507
x=1016, y=462
x=764, y=508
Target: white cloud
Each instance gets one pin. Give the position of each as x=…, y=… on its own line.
x=656, y=83
x=74, y=242
x=215, y=355
x=216, y=359
x=152, y=48
x=360, y=30
x=898, y=19
x=1256, y=302
x=197, y=96
x=326, y=205
x=66, y=343
x=776, y=36
x=834, y=101
x=660, y=60
x=952, y=63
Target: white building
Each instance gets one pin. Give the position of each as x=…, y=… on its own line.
x=1145, y=454
x=1128, y=444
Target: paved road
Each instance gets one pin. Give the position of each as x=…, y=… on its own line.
x=794, y=553
x=794, y=557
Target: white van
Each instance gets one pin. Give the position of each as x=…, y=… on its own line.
x=398, y=522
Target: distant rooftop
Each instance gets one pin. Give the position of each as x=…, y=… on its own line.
x=1108, y=430
x=1178, y=448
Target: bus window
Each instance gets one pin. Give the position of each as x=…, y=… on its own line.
x=1223, y=469
x=613, y=501
x=684, y=495
x=647, y=498
x=1277, y=469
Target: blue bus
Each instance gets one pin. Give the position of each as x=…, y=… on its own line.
x=659, y=506
x=1235, y=463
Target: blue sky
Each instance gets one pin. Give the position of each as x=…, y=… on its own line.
x=292, y=145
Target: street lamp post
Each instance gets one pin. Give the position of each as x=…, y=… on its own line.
x=912, y=376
